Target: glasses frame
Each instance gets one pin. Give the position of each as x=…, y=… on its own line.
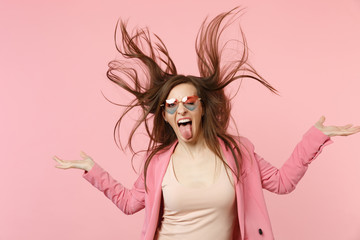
x=177, y=102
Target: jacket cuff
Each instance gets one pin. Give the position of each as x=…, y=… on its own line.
x=93, y=174
x=318, y=138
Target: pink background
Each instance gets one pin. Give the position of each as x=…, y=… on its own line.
x=53, y=59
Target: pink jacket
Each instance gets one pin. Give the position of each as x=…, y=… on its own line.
x=253, y=218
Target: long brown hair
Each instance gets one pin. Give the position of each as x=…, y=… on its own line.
x=160, y=76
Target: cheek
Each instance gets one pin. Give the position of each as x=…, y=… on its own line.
x=198, y=119
x=166, y=116
x=169, y=119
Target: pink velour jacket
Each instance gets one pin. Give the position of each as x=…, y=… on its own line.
x=253, y=218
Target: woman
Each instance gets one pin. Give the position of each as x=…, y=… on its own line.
x=198, y=181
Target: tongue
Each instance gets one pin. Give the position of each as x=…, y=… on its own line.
x=185, y=131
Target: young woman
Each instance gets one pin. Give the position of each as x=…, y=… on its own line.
x=198, y=181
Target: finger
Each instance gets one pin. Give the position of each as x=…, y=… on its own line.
x=351, y=128
x=57, y=159
x=62, y=163
x=83, y=154
x=347, y=125
x=355, y=129
x=320, y=121
x=61, y=167
x=350, y=131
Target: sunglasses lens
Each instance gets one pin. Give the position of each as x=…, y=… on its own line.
x=191, y=103
x=171, y=105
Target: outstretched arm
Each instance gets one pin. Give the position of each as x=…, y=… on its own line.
x=285, y=179
x=129, y=201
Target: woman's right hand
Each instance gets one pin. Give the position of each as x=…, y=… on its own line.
x=86, y=163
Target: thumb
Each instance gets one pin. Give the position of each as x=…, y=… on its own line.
x=321, y=120
x=83, y=154
x=319, y=124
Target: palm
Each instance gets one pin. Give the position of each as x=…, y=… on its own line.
x=331, y=131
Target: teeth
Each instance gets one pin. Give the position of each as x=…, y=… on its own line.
x=184, y=121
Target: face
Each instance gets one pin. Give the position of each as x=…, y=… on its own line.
x=186, y=118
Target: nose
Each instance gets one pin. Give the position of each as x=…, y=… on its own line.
x=181, y=109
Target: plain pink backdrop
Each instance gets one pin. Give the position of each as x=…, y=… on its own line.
x=53, y=59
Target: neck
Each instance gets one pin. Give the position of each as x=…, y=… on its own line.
x=192, y=149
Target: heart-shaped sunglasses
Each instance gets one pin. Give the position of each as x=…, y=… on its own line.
x=189, y=102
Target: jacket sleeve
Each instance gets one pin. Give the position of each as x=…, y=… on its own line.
x=285, y=179
x=129, y=201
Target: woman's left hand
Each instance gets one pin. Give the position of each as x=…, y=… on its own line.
x=331, y=131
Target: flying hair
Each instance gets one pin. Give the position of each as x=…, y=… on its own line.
x=142, y=51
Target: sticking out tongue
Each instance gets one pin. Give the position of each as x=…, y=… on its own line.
x=185, y=131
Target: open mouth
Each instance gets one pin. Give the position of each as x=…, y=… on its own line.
x=184, y=122
x=185, y=128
